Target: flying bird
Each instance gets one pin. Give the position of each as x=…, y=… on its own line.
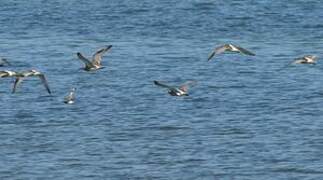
x=95, y=62
x=307, y=59
x=70, y=98
x=182, y=90
x=229, y=48
x=22, y=75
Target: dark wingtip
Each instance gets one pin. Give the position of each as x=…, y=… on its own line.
x=250, y=53
x=108, y=47
x=156, y=82
x=211, y=56
x=79, y=55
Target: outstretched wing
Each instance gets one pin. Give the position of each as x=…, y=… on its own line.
x=244, y=51
x=97, y=57
x=17, y=83
x=44, y=81
x=4, y=74
x=86, y=61
x=218, y=50
x=296, y=61
x=162, y=85
x=187, y=84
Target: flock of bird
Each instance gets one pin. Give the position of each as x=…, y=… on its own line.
x=228, y=48
x=94, y=64
x=89, y=65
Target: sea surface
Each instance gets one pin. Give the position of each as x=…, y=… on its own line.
x=247, y=117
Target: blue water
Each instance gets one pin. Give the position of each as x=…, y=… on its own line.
x=243, y=120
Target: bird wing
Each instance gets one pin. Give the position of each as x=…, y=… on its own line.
x=4, y=74
x=310, y=58
x=296, y=61
x=187, y=84
x=17, y=83
x=97, y=57
x=163, y=85
x=299, y=61
x=218, y=50
x=86, y=61
x=244, y=51
x=44, y=81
